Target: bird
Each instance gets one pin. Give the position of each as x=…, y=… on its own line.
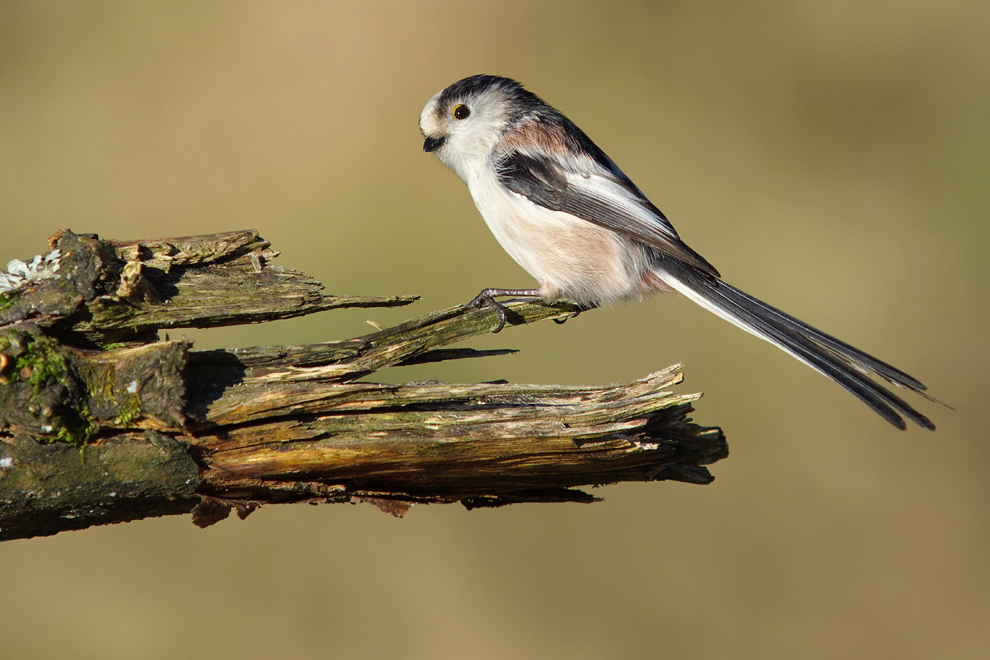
x=566, y=213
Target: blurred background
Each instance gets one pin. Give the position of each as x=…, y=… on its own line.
x=830, y=158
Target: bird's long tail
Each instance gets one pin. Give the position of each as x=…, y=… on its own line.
x=846, y=365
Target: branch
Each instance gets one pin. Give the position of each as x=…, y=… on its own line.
x=92, y=436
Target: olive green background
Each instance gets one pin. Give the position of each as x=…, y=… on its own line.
x=830, y=158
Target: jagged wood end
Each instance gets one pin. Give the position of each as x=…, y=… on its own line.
x=481, y=444
x=469, y=443
x=106, y=291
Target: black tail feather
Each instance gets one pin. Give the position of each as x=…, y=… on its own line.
x=844, y=364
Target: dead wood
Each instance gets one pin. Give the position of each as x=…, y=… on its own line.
x=100, y=421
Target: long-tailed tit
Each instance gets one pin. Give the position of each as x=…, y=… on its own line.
x=567, y=214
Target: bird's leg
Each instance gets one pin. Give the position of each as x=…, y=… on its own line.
x=487, y=298
x=581, y=308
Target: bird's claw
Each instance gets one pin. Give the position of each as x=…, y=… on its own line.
x=583, y=308
x=487, y=298
x=496, y=306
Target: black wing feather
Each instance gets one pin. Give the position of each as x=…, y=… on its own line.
x=543, y=181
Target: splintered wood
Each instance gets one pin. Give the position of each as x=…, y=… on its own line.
x=160, y=428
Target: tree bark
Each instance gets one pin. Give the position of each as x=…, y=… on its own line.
x=101, y=422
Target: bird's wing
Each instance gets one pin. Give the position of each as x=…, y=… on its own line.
x=597, y=191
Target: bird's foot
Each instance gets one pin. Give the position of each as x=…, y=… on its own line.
x=487, y=299
x=581, y=308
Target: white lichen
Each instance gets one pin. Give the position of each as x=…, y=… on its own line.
x=19, y=273
x=7, y=462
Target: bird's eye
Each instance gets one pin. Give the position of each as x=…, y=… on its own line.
x=461, y=111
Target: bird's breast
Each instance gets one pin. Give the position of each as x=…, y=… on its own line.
x=571, y=258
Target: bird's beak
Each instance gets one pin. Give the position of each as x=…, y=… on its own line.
x=432, y=143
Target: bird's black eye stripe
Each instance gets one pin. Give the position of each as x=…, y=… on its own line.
x=461, y=111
